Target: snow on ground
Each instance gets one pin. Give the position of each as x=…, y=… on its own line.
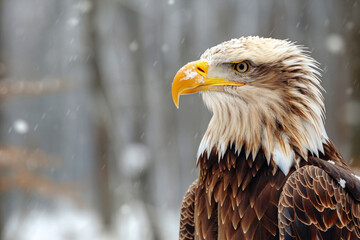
x=170, y=219
x=64, y=224
x=131, y=222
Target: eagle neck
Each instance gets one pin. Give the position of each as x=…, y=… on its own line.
x=284, y=137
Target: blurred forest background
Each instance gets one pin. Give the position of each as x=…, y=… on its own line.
x=92, y=146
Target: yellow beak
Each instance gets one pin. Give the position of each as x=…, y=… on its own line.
x=193, y=78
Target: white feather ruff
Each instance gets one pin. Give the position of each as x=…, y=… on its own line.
x=238, y=113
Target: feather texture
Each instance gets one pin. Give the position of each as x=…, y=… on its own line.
x=314, y=206
x=242, y=198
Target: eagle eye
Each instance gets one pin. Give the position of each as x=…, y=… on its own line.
x=241, y=67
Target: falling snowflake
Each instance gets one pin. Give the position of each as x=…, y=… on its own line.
x=349, y=91
x=342, y=183
x=350, y=25
x=358, y=177
x=134, y=46
x=335, y=43
x=73, y=22
x=332, y=162
x=164, y=48
x=20, y=126
x=84, y=6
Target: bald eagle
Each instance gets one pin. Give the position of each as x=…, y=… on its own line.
x=268, y=170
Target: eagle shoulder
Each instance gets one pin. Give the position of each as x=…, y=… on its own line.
x=187, y=224
x=319, y=202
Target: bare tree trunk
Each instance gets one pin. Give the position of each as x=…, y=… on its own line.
x=134, y=35
x=102, y=114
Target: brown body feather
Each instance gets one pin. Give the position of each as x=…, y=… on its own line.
x=238, y=198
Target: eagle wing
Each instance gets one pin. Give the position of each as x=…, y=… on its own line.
x=319, y=203
x=187, y=224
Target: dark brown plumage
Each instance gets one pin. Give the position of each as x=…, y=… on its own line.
x=245, y=197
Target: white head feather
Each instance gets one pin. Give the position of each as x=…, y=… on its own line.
x=280, y=108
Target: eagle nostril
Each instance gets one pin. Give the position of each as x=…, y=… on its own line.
x=200, y=69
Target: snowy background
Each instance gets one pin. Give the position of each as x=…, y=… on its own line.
x=92, y=146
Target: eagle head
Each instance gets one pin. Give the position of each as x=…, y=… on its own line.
x=264, y=94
